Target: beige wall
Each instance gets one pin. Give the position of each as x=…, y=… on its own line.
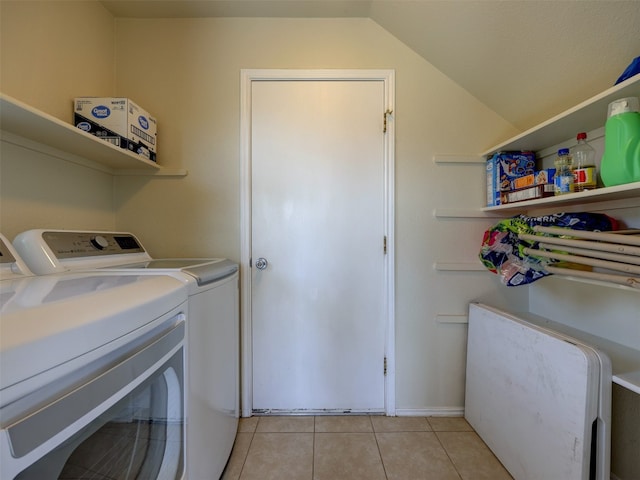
x=51, y=52
x=190, y=80
x=187, y=73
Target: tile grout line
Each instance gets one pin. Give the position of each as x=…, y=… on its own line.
x=449, y=428
x=448, y=456
x=313, y=451
x=375, y=435
x=246, y=456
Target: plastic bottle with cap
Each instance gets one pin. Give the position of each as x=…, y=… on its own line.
x=583, y=164
x=563, y=181
x=621, y=159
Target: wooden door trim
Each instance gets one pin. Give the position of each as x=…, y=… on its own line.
x=247, y=77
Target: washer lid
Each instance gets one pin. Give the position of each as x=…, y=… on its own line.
x=169, y=263
x=58, y=319
x=209, y=273
x=204, y=270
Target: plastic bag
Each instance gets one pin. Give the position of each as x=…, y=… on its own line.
x=502, y=250
x=632, y=70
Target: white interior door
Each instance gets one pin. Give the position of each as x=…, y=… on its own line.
x=319, y=308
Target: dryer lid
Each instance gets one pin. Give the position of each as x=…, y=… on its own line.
x=58, y=321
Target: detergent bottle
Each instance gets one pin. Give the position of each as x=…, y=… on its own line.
x=621, y=158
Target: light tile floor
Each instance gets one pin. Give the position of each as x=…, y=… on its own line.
x=360, y=447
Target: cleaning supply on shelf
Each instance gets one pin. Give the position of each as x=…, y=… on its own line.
x=621, y=158
x=564, y=176
x=583, y=164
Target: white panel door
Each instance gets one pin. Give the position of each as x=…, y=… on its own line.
x=318, y=308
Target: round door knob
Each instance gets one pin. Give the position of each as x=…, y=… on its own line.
x=261, y=263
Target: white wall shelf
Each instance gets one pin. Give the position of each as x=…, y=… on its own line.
x=584, y=117
x=459, y=266
x=629, y=192
x=22, y=120
x=459, y=159
x=452, y=318
x=469, y=213
x=587, y=116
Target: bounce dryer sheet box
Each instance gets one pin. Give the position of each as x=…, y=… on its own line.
x=522, y=182
x=119, y=121
x=503, y=168
x=540, y=177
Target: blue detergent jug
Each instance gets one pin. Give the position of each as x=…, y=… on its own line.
x=621, y=158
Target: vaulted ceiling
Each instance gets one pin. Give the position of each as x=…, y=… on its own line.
x=525, y=59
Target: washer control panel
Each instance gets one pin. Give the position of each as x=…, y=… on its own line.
x=69, y=244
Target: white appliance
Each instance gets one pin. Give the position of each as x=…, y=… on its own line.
x=540, y=399
x=12, y=267
x=213, y=328
x=84, y=358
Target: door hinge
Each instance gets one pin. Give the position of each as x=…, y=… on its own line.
x=384, y=120
x=384, y=245
x=385, y=366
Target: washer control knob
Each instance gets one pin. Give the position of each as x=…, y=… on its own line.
x=99, y=242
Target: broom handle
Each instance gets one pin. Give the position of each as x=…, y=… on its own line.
x=595, y=254
x=633, y=282
x=621, y=267
x=611, y=237
x=605, y=247
x=631, y=231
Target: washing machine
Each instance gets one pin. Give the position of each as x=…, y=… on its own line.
x=213, y=326
x=91, y=374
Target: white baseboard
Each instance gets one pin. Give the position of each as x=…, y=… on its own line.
x=430, y=412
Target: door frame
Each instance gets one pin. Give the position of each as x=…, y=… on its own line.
x=247, y=77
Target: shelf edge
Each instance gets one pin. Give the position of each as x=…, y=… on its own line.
x=470, y=159
x=19, y=120
x=630, y=381
x=162, y=172
x=459, y=266
x=452, y=318
x=470, y=213
x=618, y=192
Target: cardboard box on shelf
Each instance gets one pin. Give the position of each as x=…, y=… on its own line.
x=503, y=168
x=527, y=193
x=524, y=181
x=119, y=121
x=545, y=176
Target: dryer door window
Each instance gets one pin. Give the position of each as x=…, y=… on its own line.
x=141, y=436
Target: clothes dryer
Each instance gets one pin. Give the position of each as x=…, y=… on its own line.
x=85, y=356
x=213, y=326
